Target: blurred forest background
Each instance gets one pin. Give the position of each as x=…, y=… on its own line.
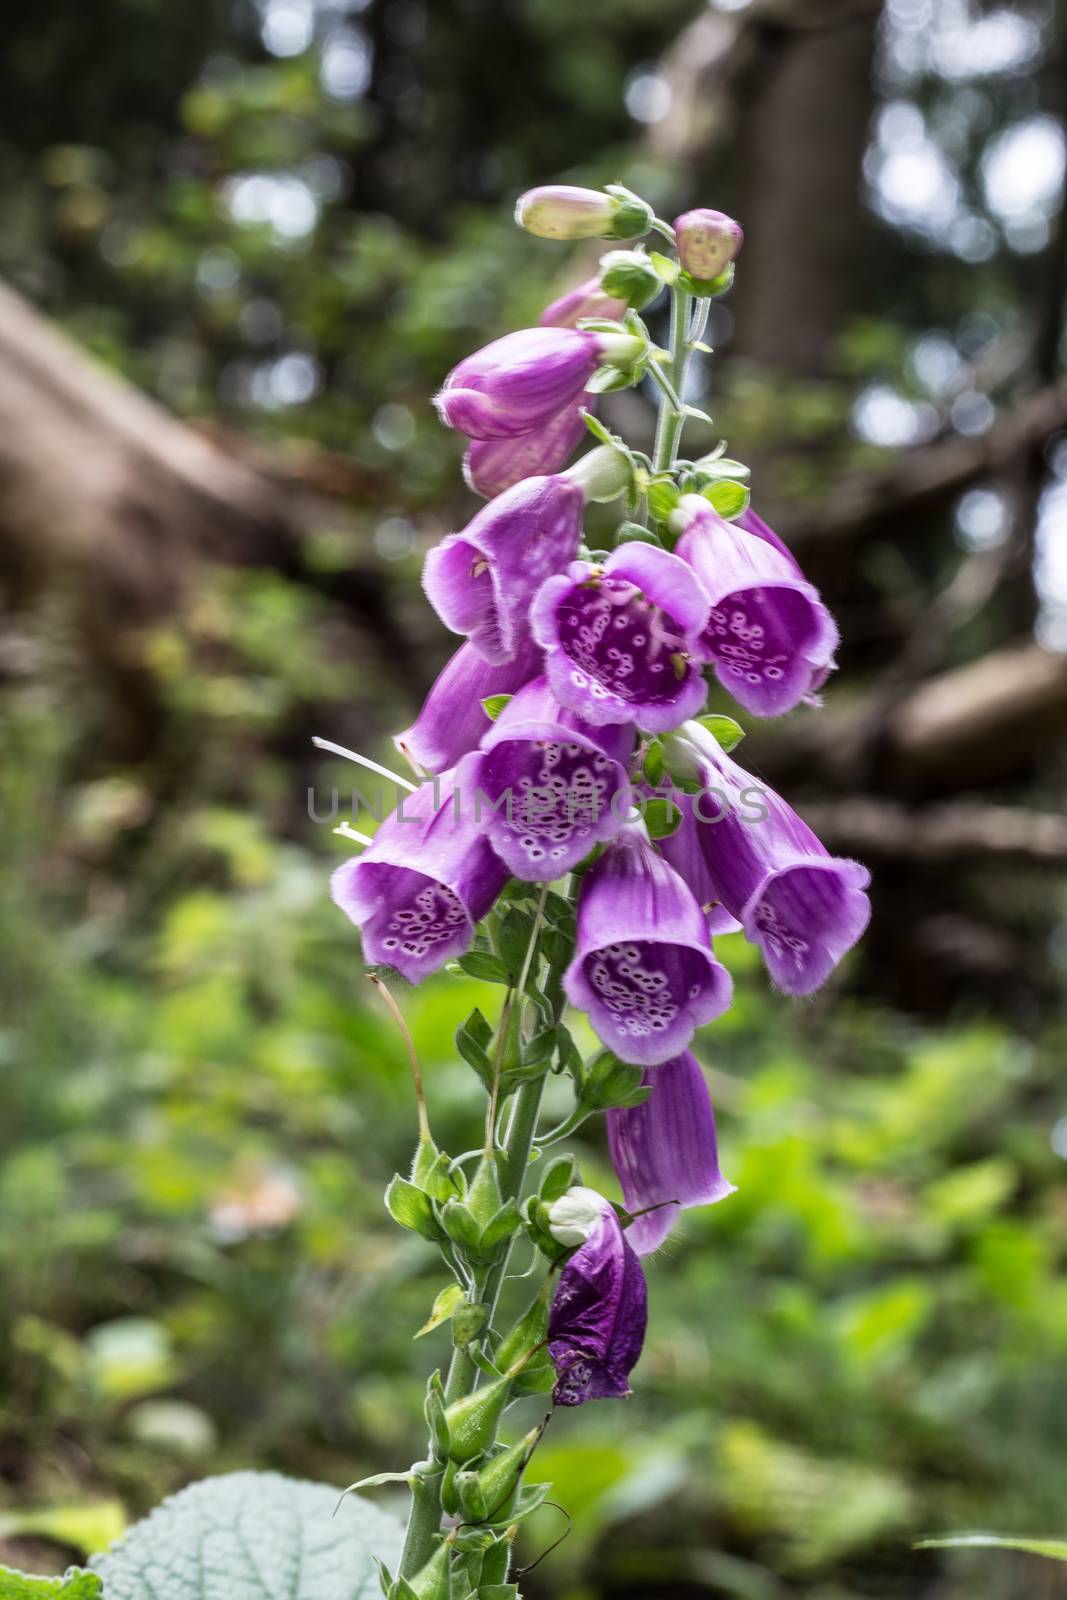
x=241, y=242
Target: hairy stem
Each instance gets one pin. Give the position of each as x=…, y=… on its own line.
x=671, y=417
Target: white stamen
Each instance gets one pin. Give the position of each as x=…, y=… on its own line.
x=346, y=831
x=363, y=761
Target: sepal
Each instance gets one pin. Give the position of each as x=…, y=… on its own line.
x=611, y=1082
x=413, y=1209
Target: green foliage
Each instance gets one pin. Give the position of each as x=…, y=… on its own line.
x=75, y=1585
x=252, y=1536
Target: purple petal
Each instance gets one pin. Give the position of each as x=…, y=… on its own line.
x=683, y=851
x=418, y=889
x=452, y=720
x=643, y=968
x=802, y=906
x=596, y=1327
x=518, y=383
x=493, y=465
x=621, y=641
x=481, y=581
x=552, y=786
x=762, y=530
x=768, y=634
x=588, y=299
x=665, y=1151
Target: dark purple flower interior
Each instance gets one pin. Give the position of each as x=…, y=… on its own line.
x=643, y=986
x=559, y=794
x=756, y=635
x=619, y=638
x=418, y=916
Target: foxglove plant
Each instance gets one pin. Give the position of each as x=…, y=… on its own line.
x=580, y=834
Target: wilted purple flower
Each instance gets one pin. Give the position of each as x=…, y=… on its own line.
x=418, y=889
x=596, y=1327
x=644, y=968
x=493, y=465
x=802, y=906
x=555, y=786
x=707, y=242
x=452, y=719
x=665, y=1152
x=769, y=635
x=481, y=581
x=622, y=640
x=588, y=299
x=522, y=381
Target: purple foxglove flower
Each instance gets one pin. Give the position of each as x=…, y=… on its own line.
x=588, y=299
x=481, y=581
x=708, y=241
x=682, y=850
x=596, y=1326
x=770, y=637
x=555, y=786
x=564, y=211
x=418, y=889
x=493, y=465
x=522, y=381
x=622, y=640
x=803, y=907
x=452, y=720
x=665, y=1152
x=644, y=968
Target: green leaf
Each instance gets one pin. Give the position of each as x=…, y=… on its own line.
x=662, y=817
x=597, y=429
x=634, y=533
x=728, y=498
x=483, y=964
x=411, y=1208
x=653, y=763
x=251, y=1536
x=513, y=940
x=1055, y=1549
x=608, y=378
x=443, y=1307
x=494, y=704
x=728, y=732
x=73, y=1585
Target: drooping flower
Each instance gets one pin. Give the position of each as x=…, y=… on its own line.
x=643, y=968
x=770, y=637
x=596, y=1327
x=481, y=581
x=622, y=640
x=708, y=241
x=803, y=907
x=554, y=786
x=587, y=299
x=665, y=1152
x=522, y=381
x=493, y=465
x=418, y=889
x=682, y=849
x=452, y=719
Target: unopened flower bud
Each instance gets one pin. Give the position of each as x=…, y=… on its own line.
x=708, y=242
x=576, y=1215
x=630, y=276
x=484, y=1495
x=472, y=1420
x=432, y=1581
x=563, y=211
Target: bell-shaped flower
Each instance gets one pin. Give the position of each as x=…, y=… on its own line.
x=549, y=786
x=523, y=380
x=665, y=1152
x=804, y=907
x=622, y=640
x=493, y=465
x=643, y=968
x=596, y=1327
x=419, y=888
x=481, y=581
x=682, y=849
x=770, y=637
x=452, y=719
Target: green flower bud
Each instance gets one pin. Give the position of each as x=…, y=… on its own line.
x=432, y=1582
x=629, y=275
x=472, y=1420
x=484, y=1495
x=530, y=1331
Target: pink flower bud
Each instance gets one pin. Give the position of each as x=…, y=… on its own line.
x=562, y=211
x=588, y=299
x=708, y=241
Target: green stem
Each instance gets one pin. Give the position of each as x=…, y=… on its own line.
x=671, y=417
